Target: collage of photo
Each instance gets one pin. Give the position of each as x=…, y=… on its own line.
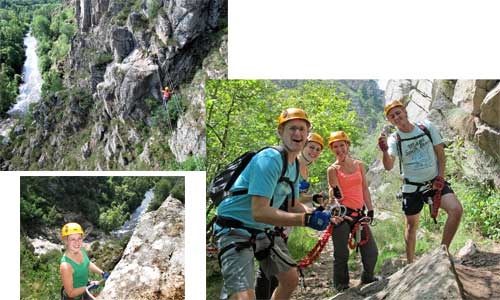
x=232, y=149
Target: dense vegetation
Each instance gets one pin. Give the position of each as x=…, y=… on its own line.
x=105, y=202
x=12, y=30
x=15, y=19
x=242, y=116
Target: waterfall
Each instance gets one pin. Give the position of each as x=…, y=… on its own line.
x=129, y=226
x=30, y=89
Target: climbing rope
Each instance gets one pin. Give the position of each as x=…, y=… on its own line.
x=356, y=233
x=316, y=250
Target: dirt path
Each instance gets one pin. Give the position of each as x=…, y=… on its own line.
x=319, y=276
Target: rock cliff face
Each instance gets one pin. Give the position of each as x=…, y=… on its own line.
x=123, y=55
x=466, y=111
x=152, y=265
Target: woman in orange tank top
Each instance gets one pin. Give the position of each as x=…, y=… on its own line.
x=348, y=186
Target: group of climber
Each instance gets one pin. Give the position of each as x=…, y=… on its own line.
x=252, y=221
x=75, y=265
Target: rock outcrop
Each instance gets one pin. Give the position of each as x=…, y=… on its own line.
x=152, y=265
x=465, y=111
x=431, y=277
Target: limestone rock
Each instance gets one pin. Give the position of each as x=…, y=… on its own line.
x=42, y=246
x=152, y=266
x=430, y=277
x=122, y=42
x=490, y=108
x=467, y=250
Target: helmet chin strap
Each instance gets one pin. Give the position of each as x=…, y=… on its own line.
x=304, y=157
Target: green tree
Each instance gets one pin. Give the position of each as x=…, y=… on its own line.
x=41, y=27
x=113, y=217
x=242, y=115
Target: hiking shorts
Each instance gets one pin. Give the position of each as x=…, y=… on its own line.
x=414, y=202
x=237, y=266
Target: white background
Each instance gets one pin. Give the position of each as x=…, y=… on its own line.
x=315, y=39
x=194, y=226
x=363, y=39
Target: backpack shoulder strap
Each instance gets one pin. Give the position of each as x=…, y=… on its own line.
x=284, y=156
x=425, y=130
x=398, y=142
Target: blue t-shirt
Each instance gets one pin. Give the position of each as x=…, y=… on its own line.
x=419, y=161
x=260, y=177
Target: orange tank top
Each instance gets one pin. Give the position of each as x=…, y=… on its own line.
x=352, y=188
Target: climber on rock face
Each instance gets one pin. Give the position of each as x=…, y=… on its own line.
x=75, y=265
x=167, y=93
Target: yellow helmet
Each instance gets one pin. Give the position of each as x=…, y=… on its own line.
x=292, y=114
x=391, y=105
x=314, y=137
x=71, y=228
x=338, y=136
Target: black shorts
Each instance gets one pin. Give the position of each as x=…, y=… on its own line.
x=414, y=202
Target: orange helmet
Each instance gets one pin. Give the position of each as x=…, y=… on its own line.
x=314, y=137
x=391, y=105
x=338, y=136
x=292, y=114
x=71, y=228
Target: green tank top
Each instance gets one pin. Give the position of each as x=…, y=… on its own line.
x=80, y=271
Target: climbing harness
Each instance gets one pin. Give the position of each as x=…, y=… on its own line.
x=433, y=198
x=229, y=223
x=359, y=225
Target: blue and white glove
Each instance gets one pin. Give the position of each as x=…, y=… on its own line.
x=105, y=275
x=318, y=220
x=93, y=286
x=304, y=186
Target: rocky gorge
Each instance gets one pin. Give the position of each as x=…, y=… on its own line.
x=109, y=114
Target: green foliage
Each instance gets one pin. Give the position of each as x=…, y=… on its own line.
x=103, y=201
x=153, y=7
x=103, y=58
x=165, y=119
x=12, y=57
x=164, y=187
x=481, y=208
x=39, y=275
x=113, y=217
x=301, y=241
x=242, y=114
x=41, y=27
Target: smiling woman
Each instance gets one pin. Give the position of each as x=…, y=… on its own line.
x=75, y=265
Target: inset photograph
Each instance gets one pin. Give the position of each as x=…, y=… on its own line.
x=102, y=237
x=107, y=85
x=353, y=189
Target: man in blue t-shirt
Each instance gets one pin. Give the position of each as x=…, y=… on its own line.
x=245, y=223
x=422, y=162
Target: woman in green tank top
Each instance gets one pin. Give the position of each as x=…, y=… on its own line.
x=75, y=264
